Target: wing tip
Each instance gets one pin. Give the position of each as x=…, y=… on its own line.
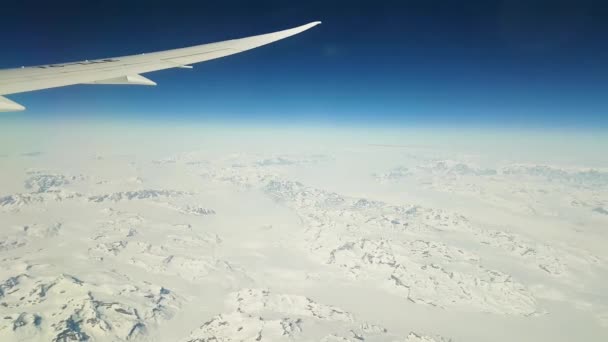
x=313, y=24
x=307, y=26
x=303, y=28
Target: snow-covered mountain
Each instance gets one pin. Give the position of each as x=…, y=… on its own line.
x=327, y=242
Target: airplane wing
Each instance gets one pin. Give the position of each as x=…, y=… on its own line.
x=124, y=70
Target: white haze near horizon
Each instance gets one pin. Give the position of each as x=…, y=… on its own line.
x=188, y=232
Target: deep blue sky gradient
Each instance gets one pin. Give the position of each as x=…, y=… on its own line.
x=519, y=63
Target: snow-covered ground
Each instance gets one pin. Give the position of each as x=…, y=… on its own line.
x=117, y=233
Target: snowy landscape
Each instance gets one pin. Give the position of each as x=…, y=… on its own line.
x=259, y=237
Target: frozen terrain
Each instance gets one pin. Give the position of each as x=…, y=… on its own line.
x=119, y=233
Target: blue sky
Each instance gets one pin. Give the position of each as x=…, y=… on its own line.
x=501, y=63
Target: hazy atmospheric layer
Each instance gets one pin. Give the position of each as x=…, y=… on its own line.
x=139, y=231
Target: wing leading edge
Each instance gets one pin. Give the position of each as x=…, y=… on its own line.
x=127, y=69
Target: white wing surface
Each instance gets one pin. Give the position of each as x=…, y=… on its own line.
x=125, y=70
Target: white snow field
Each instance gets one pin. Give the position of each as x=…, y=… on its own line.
x=148, y=232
